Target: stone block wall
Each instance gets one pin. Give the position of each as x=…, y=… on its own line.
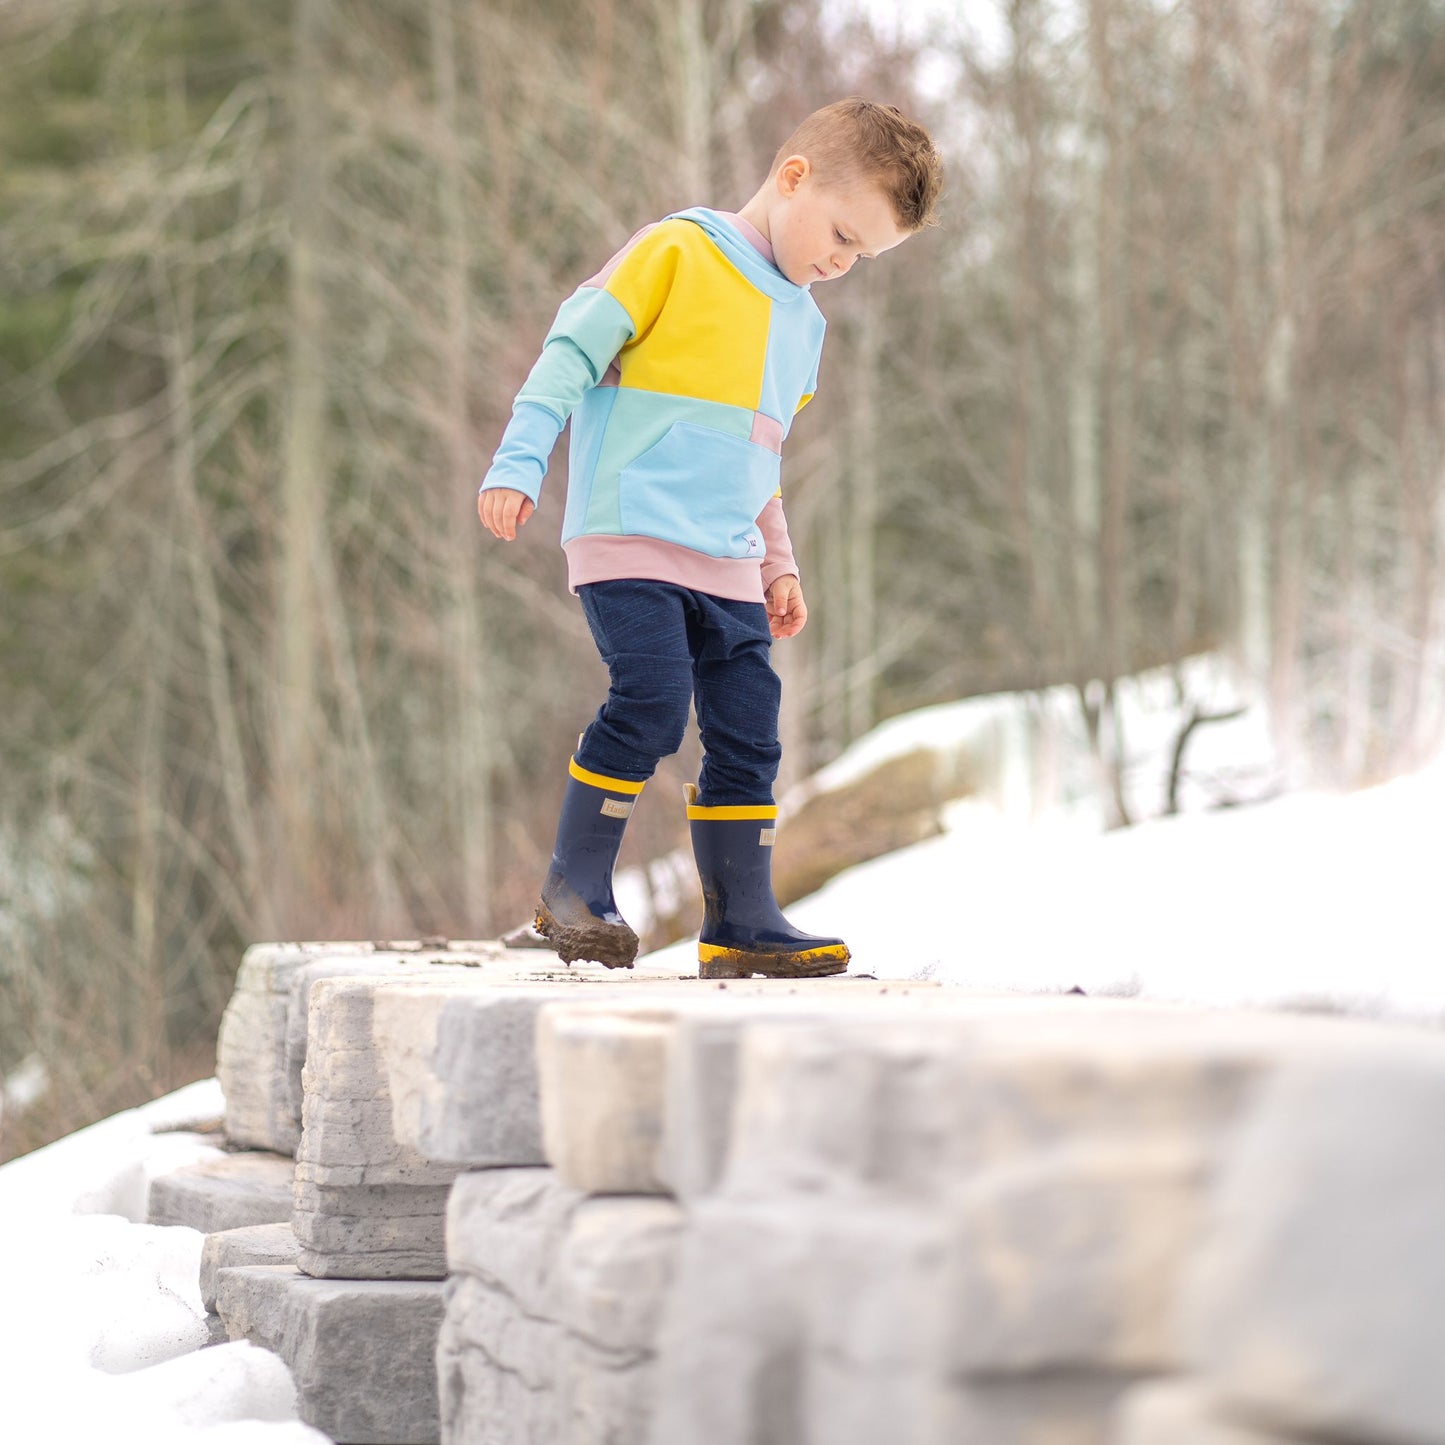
x=572, y=1206
x=551, y=1310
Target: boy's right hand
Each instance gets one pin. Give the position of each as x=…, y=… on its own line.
x=503, y=510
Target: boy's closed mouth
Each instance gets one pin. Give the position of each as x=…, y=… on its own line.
x=822, y=274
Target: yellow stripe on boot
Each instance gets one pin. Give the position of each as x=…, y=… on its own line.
x=600, y=780
x=726, y=812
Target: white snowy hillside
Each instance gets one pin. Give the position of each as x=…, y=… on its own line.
x=102, y=1328
x=1305, y=900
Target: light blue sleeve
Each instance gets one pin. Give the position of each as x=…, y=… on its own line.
x=590, y=329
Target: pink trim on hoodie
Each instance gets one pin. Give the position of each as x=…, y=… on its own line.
x=600, y=279
x=600, y=558
x=752, y=235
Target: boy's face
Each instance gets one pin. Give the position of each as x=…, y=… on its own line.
x=819, y=231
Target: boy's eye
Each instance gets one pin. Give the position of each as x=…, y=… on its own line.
x=842, y=239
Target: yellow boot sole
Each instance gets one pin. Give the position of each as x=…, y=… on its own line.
x=714, y=961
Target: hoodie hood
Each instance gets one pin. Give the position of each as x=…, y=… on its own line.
x=743, y=254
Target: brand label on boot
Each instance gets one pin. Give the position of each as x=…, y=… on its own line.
x=616, y=808
x=767, y=837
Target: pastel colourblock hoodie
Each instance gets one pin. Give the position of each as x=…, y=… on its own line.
x=681, y=364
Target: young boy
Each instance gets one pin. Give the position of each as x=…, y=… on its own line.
x=682, y=363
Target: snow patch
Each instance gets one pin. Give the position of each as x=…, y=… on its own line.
x=107, y=1168
x=1309, y=901
x=103, y=1326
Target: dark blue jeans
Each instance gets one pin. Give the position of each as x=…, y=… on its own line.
x=665, y=645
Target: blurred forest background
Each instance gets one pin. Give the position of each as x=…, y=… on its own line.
x=1169, y=377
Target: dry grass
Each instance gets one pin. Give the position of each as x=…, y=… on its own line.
x=85, y=1088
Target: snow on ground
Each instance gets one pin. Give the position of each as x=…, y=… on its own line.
x=1030, y=754
x=1304, y=901
x=1028, y=758
x=1308, y=900
x=102, y=1326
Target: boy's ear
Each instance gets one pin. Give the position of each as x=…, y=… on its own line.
x=792, y=173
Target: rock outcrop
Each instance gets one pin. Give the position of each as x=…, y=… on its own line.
x=531, y=1205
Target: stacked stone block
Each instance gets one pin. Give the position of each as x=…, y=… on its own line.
x=366, y=1205
x=408, y=1081
x=362, y=1353
x=551, y=1310
x=261, y=1244
x=250, y=1050
x=1314, y=1308
x=559, y=1275
x=368, y=1209
x=461, y=1069
x=348, y=1290
x=824, y=1212
x=236, y=1191
x=261, y=1049
x=971, y=1228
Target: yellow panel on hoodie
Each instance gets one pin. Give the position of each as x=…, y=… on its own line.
x=710, y=341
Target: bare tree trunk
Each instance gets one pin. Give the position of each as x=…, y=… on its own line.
x=1259, y=380
x=1351, y=641
x=744, y=165
x=831, y=646
x=1117, y=380
x=1275, y=521
x=1430, y=728
x=299, y=725
x=863, y=514
x=690, y=81
x=1026, y=506
x=1294, y=485
x=175, y=300
x=1419, y=477
x=1099, y=440
x=141, y=1006
x=1084, y=381
x=369, y=815
x=472, y=725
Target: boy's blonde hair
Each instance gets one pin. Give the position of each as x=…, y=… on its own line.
x=857, y=140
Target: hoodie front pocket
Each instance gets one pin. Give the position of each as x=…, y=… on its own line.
x=700, y=488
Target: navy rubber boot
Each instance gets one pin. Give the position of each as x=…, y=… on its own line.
x=743, y=929
x=577, y=914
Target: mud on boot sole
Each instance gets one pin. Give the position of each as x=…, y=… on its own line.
x=715, y=961
x=611, y=945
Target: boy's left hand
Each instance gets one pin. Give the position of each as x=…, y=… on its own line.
x=787, y=612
